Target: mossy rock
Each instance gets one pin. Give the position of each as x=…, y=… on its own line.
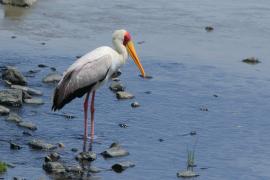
x=3, y=167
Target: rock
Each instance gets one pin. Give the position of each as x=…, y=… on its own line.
x=215, y=95
x=61, y=145
x=37, y=101
x=94, y=169
x=119, y=167
x=21, y=3
x=42, y=65
x=117, y=86
x=33, y=71
x=122, y=125
x=86, y=156
x=160, y=140
x=54, y=167
x=52, y=157
x=187, y=174
x=11, y=97
x=27, y=133
x=8, y=83
x=74, y=169
x=14, y=76
x=18, y=178
x=4, y=110
x=115, y=150
x=53, y=68
x=15, y=146
x=251, y=60
x=52, y=78
x=209, y=28
x=29, y=90
x=38, y=144
x=26, y=95
x=124, y=95
x=135, y=104
x=28, y=125
x=13, y=117
x=74, y=150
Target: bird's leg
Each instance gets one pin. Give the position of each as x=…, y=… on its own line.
x=85, y=115
x=92, y=114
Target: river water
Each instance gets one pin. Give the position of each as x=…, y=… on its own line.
x=188, y=65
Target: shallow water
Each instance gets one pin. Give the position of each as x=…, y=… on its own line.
x=189, y=66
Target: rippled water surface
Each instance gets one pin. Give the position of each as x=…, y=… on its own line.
x=189, y=66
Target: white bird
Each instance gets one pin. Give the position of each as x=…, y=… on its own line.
x=91, y=71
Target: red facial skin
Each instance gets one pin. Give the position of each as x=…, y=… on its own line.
x=127, y=38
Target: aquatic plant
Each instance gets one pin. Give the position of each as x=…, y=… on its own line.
x=3, y=167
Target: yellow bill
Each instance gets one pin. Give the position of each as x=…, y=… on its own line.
x=132, y=52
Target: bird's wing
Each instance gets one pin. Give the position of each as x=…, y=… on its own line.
x=80, y=78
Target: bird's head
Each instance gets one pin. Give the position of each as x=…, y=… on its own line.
x=124, y=37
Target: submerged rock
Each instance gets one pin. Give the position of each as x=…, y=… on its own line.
x=37, y=101
x=4, y=110
x=28, y=125
x=38, y=144
x=52, y=78
x=94, y=169
x=187, y=174
x=26, y=95
x=86, y=156
x=74, y=149
x=29, y=90
x=124, y=95
x=14, y=76
x=21, y=3
x=121, y=166
x=11, y=97
x=13, y=117
x=117, y=86
x=135, y=104
x=15, y=146
x=52, y=157
x=42, y=65
x=115, y=150
x=251, y=60
x=75, y=169
x=54, y=167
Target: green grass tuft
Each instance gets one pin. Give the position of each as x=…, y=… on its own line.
x=3, y=167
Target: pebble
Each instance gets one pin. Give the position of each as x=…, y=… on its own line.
x=115, y=150
x=122, y=125
x=135, y=104
x=187, y=174
x=209, y=28
x=94, y=169
x=28, y=125
x=15, y=146
x=86, y=156
x=251, y=60
x=13, y=117
x=121, y=166
x=42, y=66
x=27, y=133
x=74, y=169
x=52, y=157
x=124, y=95
x=36, y=101
x=14, y=76
x=4, y=110
x=61, y=145
x=38, y=144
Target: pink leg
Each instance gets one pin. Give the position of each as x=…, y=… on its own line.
x=92, y=114
x=85, y=115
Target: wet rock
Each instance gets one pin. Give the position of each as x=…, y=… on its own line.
x=26, y=95
x=209, y=28
x=33, y=71
x=42, y=66
x=54, y=167
x=52, y=78
x=86, y=156
x=37, y=101
x=251, y=60
x=4, y=110
x=11, y=97
x=28, y=125
x=52, y=157
x=61, y=145
x=135, y=104
x=116, y=74
x=124, y=95
x=14, y=76
x=13, y=117
x=187, y=174
x=75, y=169
x=74, y=150
x=15, y=146
x=117, y=86
x=94, y=169
x=115, y=150
x=29, y=90
x=122, y=125
x=121, y=166
x=160, y=140
x=40, y=145
x=21, y=3
x=26, y=133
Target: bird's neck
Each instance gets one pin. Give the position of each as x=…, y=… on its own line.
x=121, y=49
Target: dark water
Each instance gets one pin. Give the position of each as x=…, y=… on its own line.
x=189, y=66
